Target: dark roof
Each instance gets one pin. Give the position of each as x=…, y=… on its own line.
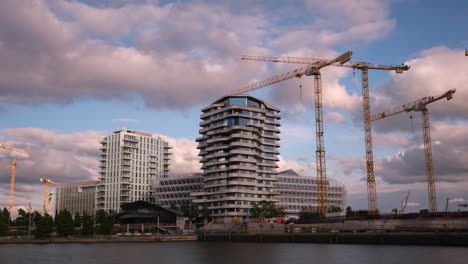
x=150, y=206
x=288, y=172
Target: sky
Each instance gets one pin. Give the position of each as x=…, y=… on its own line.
x=72, y=72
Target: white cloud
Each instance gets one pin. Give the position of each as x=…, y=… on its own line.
x=173, y=55
x=335, y=117
x=457, y=200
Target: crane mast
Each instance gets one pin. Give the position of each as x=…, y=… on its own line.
x=364, y=67
x=47, y=196
x=421, y=105
x=313, y=69
x=12, y=185
x=13, y=176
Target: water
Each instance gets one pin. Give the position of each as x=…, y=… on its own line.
x=226, y=253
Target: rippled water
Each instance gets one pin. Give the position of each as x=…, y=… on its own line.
x=226, y=253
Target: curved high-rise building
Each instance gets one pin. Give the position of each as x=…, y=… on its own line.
x=239, y=148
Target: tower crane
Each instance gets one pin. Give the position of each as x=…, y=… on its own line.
x=13, y=175
x=313, y=69
x=47, y=195
x=364, y=67
x=405, y=203
x=421, y=105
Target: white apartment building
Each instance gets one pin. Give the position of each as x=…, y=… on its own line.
x=129, y=161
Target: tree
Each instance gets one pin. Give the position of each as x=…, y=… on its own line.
x=307, y=211
x=349, y=209
x=77, y=220
x=105, y=222
x=44, y=227
x=64, y=223
x=23, y=218
x=334, y=209
x=4, y=216
x=88, y=225
x=205, y=212
x=190, y=210
x=174, y=207
x=106, y=226
x=266, y=209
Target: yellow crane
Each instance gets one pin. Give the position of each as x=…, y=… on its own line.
x=364, y=67
x=13, y=175
x=313, y=69
x=421, y=106
x=47, y=195
x=405, y=203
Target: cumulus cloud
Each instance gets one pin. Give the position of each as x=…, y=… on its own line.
x=291, y=165
x=335, y=117
x=68, y=157
x=449, y=157
x=433, y=72
x=457, y=200
x=170, y=55
x=184, y=157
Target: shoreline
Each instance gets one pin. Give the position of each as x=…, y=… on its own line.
x=92, y=240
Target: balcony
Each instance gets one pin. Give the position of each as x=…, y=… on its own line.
x=126, y=157
x=126, y=168
x=126, y=150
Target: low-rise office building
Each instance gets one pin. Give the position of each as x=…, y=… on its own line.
x=295, y=191
x=176, y=189
x=298, y=191
x=77, y=197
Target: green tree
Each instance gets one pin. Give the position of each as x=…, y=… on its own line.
x=106, y=226
x=77, y=220
x=64, y=223
x=190, y=210
x=4, y=216
x=349, y=209
x=22, y=219
x=88, y=225
x=44, y=227
x=307, y=211
x=266, y=209
x=334, y=209
x=174, y=207
x=205, y=212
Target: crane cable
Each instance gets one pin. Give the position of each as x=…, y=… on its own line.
x=411, y=120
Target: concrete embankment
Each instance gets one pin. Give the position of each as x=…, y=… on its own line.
x=104, y=239
x=440, y=239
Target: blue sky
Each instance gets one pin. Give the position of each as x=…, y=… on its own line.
x=71, y=69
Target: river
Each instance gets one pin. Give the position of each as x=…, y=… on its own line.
x=226, y=253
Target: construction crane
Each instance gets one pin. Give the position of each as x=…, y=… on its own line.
x=447, y=205
x=405, y=202
x=313, y=69
x=421, y=105
x=364, y=67
x=47, y=195
x=13, y=175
